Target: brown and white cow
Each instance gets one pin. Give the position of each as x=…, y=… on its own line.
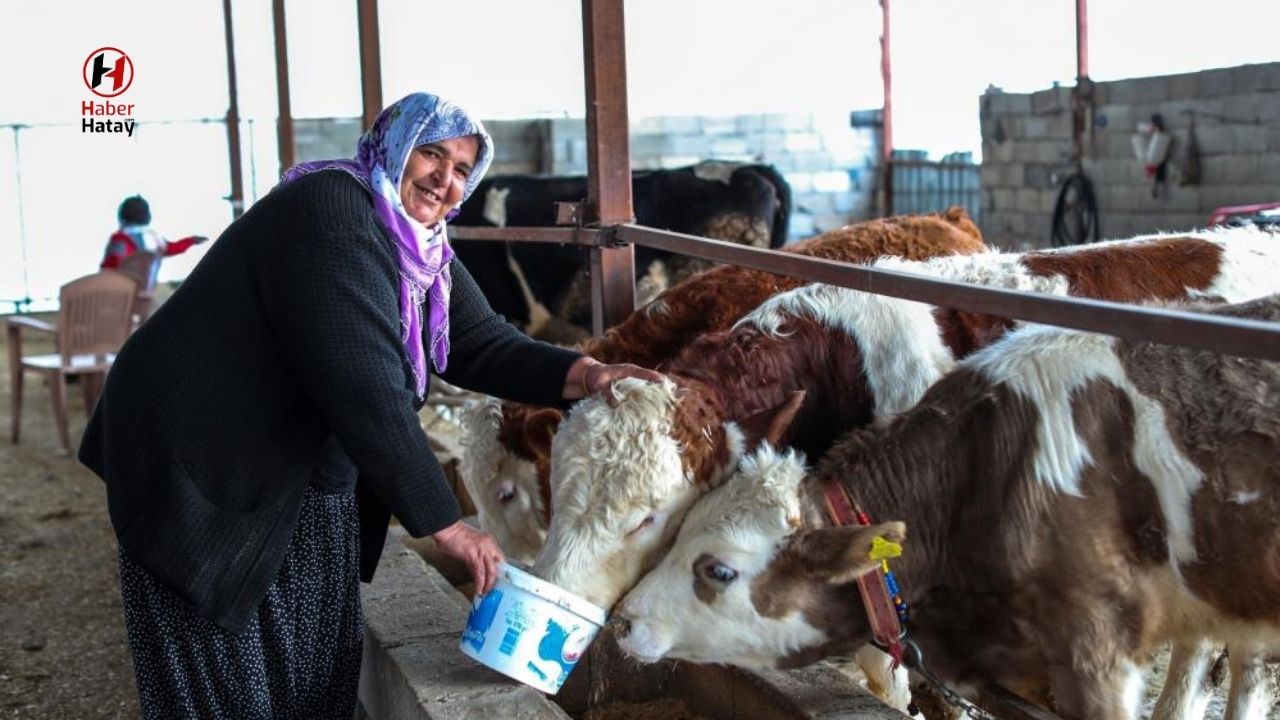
x=1073, y=499
x=622, y=475
x=508, y=445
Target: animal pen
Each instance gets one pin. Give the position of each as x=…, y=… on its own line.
x=603, y=223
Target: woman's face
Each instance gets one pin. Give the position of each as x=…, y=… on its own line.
x=435, y=176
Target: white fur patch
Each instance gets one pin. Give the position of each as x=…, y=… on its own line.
x=495, y=206
x=1250, y=263
x=741, y=523
x=716, y=170
x=1046, y=365
x=1133, y=685
x=516, y=520
x=1245, y=497
x=611, y=468
x=991, y=269
x=902, y=351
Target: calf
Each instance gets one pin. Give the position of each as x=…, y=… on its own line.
x=1074, y=500
x=860, y=356
x=508, y=445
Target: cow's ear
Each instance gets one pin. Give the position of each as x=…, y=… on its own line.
x=771, y=424
x=538, y=431
x=840, y=554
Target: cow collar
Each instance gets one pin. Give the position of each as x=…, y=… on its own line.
x=886, y=610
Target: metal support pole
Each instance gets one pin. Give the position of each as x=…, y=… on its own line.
x=613, y=290
x=1082, y=39
x=886, y=131
x=284, y=123
x=370, y=60
x=233, y=119
x=1082, y=93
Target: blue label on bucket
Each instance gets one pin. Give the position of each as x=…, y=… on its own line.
x=481, y=618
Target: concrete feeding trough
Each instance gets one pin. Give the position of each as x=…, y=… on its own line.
x=413, y=669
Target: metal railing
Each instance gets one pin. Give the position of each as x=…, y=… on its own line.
x=1230, y=336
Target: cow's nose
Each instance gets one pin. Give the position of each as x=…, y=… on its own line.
x=620, y=625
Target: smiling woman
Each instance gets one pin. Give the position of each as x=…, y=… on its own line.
x=278, y=383
x=435, y=177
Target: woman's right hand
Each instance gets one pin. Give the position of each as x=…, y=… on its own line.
x=478, y=549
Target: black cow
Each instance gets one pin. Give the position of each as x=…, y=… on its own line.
x=747, y=204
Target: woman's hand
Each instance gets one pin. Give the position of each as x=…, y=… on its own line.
x=588, y=376
x=478, y=549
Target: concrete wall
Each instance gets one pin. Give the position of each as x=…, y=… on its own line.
x=830, y=166
x=1026, y=146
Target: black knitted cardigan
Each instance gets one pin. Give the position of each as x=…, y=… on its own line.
x=277, y=360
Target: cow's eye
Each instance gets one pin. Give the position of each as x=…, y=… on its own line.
x=506, y=492
x=648, y=521
x=719, y=572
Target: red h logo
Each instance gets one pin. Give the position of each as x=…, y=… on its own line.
x=108, y=72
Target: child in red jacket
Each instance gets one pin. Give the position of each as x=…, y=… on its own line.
x=135, y=235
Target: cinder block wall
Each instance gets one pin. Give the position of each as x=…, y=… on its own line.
x=831, y=167
x=1026, y=147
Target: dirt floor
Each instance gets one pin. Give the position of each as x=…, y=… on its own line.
x=63, y=652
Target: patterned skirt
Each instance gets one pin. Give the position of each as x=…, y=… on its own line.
x=298, y=658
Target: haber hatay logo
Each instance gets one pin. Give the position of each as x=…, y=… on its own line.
x=108, y=72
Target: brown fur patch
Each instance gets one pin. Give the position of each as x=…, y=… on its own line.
x=702, y=587
x=1103, y=416
x=717, y=298
x=1161, y=269
x=526, y=432
x=1223, y=413
x=1158, y=270
x=746, y=374
x=698, y=427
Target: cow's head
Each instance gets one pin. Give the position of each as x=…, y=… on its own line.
x=747, y=584
x=623, y=477
x=505, y=468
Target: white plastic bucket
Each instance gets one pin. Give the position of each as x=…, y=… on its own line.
x=530, y=630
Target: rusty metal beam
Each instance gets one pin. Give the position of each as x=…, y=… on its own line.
x=1231, y=336
x=886, y=125
x=233, y=119
x=613, y=289
x=284, y=121
x=1082, y=39
x=561, y=235
x=370, y=60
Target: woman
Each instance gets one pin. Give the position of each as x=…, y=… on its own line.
x=135, y=235
x=234, y=423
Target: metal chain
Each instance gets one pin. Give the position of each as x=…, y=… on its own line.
x=913, y=658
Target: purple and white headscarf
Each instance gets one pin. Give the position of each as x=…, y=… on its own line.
x=424, y=252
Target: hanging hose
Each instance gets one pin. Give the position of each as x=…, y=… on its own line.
x=1075, y=213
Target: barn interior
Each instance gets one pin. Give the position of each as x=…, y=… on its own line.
x=1094, y=156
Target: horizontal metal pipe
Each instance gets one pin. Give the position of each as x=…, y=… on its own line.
x=1231, y=336
x=563, y=235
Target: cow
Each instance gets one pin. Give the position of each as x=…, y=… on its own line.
x=622, y=477
x=506, y=462
x=1073, y=500
x=749, y=204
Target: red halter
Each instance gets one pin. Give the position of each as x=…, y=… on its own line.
x=885, y=627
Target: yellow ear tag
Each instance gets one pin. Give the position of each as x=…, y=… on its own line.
x=882, y=549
